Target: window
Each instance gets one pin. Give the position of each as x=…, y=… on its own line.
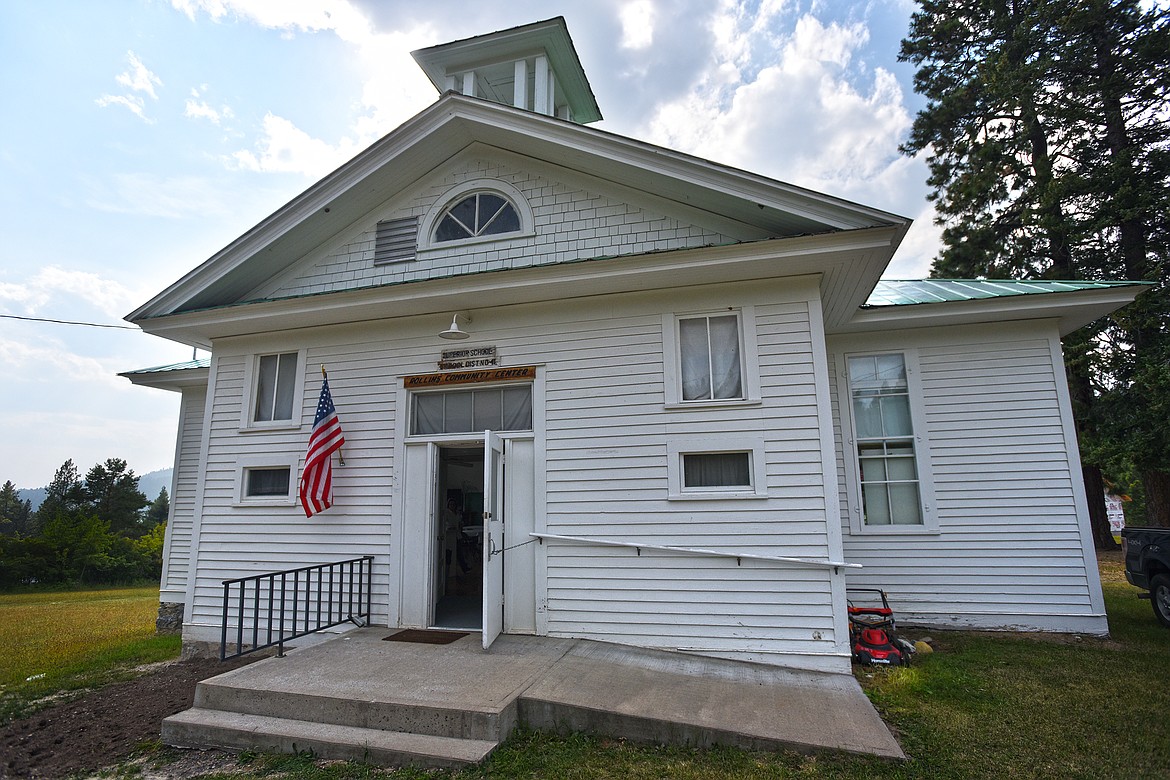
x=703, y=470
x=266, y=483
x=396, y=240
x=276, y=385
x=879, y=392
x=709, y=350
x=478, y=214
x=466, y=411
x=717, y=466
x=266, y=480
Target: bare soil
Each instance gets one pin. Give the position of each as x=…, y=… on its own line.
x=104, y=727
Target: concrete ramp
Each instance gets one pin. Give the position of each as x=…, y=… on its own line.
x=449, y=705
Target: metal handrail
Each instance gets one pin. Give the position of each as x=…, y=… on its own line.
x=279, y=598
x=639, y=546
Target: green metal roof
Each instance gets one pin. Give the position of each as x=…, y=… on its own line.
x=909, y=292
x=188, y=364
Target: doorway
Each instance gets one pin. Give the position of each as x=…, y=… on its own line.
x=458, y=524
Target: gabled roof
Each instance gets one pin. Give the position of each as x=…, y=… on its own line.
x=744, y=205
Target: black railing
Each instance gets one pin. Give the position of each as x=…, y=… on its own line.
x=277, y=607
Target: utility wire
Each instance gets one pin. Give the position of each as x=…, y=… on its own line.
x=67, y=322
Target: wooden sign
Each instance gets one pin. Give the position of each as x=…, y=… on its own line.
x=510, y=374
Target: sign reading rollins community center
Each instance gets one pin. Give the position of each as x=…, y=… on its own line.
x=466, y=377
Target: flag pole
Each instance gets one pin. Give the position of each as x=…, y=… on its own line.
x=325, y=378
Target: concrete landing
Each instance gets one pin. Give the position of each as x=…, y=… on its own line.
x=357, y=696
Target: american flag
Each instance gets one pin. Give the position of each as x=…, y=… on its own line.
x=326, y=439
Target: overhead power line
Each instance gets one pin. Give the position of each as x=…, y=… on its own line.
x=67, y=322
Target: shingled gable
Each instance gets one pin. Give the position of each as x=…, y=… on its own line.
x=745, y=206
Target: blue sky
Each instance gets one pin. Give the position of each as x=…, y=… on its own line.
x=141, y=136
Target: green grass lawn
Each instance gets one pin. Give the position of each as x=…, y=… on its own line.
x=59, y=641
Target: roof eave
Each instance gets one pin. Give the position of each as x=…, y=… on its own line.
x=1072, y=310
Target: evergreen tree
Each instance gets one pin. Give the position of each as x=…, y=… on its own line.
x=111, y=492
x=62, y=496
x=15, y=515
x=1047, y=143
x=156, y=514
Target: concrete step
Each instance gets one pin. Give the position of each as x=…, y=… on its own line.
x=351, y=709
x=204, y=728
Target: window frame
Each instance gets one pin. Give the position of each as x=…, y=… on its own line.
x=251, y=386
x=245, y=465
x=753, y=446
x=430, y=222
x=922, y=460
x=749, y=359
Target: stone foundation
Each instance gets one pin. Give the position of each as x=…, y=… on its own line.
x=170, y=617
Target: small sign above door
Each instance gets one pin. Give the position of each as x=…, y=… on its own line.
x=510, y=374
x=473, y=357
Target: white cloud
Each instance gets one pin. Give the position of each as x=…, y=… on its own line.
x=197, y=108
x=52, y=284
x=132, y=103
x=50, y=359
x=285, y=148
x=394, y=91
x=138, y=79
x=800, y=117
x=637, y=19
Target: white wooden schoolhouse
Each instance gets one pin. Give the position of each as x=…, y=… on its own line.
x=591, y=387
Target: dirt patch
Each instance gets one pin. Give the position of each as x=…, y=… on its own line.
x=104, y=727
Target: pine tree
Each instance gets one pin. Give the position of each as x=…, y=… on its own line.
x=111, y=491
x=15, y=515
x=1047, y=142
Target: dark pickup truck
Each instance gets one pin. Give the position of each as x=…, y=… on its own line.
x=1147, y=565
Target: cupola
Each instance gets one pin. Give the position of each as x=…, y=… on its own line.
x=534, y=67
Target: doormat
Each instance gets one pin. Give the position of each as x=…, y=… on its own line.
x=422, y=637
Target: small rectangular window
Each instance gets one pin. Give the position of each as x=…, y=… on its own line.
x=396, y=240
x=720, y=466
x=276, y=381
x=710, y=359
x=880, y=397
x=266, y=482
x=708, y=470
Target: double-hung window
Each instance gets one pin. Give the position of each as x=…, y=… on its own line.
x=276, y=379
x=710, y=358
x=891, y=478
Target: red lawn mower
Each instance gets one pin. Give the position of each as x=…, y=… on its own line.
x=873, y=637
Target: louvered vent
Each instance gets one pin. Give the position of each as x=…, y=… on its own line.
x=396, y=240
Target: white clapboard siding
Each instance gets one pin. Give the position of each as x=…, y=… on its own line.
x=1009, y=550
x=185, y=486
x=606, y=433
x=573, y=222
x=607, y=437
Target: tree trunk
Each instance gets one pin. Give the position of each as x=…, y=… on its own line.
x=1157, y=486
x=1098, y=515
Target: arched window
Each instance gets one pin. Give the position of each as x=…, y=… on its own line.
x=478, y=214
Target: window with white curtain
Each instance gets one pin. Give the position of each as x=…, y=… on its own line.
x=506, y=408
x=276, y=385
x=716, y=466
x=883, y=427
x=710, y=357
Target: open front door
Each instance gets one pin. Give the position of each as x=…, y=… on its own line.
x=493, y=538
